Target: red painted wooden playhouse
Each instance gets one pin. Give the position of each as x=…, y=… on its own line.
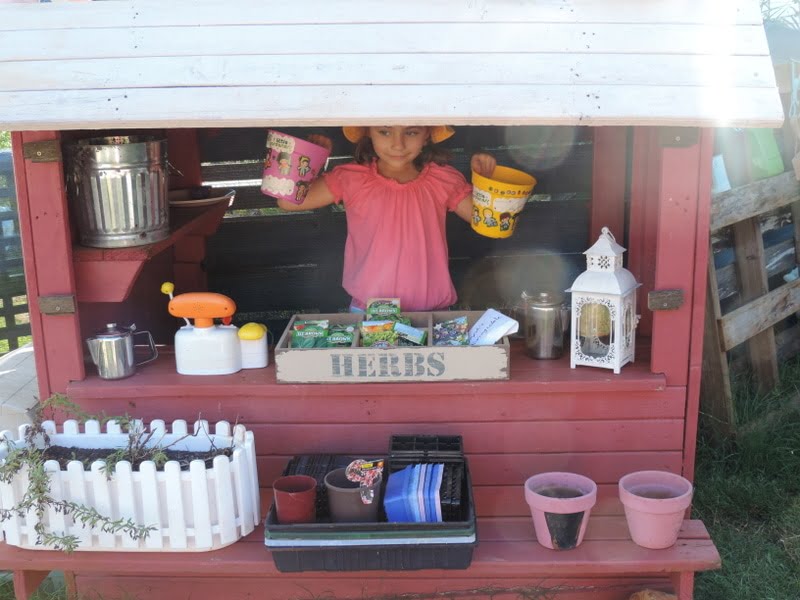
x=645, y=84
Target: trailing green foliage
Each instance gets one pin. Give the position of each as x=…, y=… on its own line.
x=31, y=458
x=5, y=139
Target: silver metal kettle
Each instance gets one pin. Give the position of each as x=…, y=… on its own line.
x=112, y=351
x=545, y=324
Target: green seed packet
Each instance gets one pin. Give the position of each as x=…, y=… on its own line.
x=378, y=333
x=310, y=334
x=382, y=308
x=341, y=336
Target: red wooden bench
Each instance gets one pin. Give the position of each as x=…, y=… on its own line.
x=606, y=566
x=548, y=417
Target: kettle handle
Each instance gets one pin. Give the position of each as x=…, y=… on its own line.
x=152, y=344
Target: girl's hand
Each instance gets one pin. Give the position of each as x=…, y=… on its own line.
x=321, y=140
x=483, y=164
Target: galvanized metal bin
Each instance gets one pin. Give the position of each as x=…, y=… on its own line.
x=118, y=189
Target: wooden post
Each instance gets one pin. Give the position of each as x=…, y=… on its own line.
x=47, y=256
x=715, y=392
x=698, y=305
x=184, y=151
x=643, y=220
x=609, y=174
x=749, y=248
x=665, y=197
x=27, y=582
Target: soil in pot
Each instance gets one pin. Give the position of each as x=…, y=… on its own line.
x=64, y=455
x=560, y=505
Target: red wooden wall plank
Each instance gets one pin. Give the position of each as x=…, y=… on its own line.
x=609, y=174
x=698, y=311
x=675, y=266
x=320, y=404
x=513, y=437
x=47, y=243
x=514, y=469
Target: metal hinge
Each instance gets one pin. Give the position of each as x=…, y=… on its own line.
x=56, y=305
x=678, y=137
x=665, y=299
x=46, y=151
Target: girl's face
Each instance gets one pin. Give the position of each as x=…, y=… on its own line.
x=398, y=146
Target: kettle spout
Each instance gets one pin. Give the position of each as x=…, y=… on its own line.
x=94, y=350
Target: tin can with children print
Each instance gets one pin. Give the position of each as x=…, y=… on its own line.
x=498, y=201
x=291, y=164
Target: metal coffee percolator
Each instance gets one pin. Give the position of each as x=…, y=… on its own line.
x=112, y=351
x=545, y=320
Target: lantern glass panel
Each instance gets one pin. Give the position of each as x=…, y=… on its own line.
x=596, y=330
x=627, y=326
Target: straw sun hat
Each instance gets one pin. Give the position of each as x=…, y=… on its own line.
x=439, y=133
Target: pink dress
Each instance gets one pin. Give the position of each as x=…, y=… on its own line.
x=396, y=243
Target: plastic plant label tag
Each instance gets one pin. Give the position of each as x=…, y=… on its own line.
x=366, y=473
x=491, y=327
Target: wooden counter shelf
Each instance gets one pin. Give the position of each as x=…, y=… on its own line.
x=528, y=376
x=108, y=274
x=507, y=554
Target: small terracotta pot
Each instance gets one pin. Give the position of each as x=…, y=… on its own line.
x=560, y=504
x=295, y=497
x=344, y=499
x=655, y=504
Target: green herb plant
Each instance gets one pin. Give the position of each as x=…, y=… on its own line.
x=37, y=499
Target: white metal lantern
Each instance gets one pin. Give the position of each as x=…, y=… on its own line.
x=604, y=318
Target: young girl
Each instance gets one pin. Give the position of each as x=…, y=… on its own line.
x=397, y=194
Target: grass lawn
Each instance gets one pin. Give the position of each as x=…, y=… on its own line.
x=748, y=495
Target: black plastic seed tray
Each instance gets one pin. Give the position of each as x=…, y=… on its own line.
x=326, y=546
x=426, y=445
x=317, y=466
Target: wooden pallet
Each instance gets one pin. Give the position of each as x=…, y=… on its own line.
x=759, y=309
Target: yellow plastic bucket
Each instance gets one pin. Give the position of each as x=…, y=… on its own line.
x=497, y=201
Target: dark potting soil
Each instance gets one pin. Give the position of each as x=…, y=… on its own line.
x=87, y=456
x=564, y=529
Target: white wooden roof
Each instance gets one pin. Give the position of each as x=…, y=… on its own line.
x=182, y=63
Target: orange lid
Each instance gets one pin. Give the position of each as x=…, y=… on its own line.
x=203, y=307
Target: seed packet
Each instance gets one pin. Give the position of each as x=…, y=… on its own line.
x=341, y=336
x=310, y=334
x=451, y=333
x=410, y=336
x=398, y=318
x=381, y=308
x=379, y=334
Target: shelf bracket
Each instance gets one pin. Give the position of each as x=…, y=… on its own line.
x=44, y=151
x=57, y=305
x=665, y=299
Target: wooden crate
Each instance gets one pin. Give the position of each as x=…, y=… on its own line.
x=402, y=364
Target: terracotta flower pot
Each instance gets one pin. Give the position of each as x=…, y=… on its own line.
x=295, y=497
x=655, y=503
x=560, y=504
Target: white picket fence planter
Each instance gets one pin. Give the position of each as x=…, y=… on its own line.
x=195, y=510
